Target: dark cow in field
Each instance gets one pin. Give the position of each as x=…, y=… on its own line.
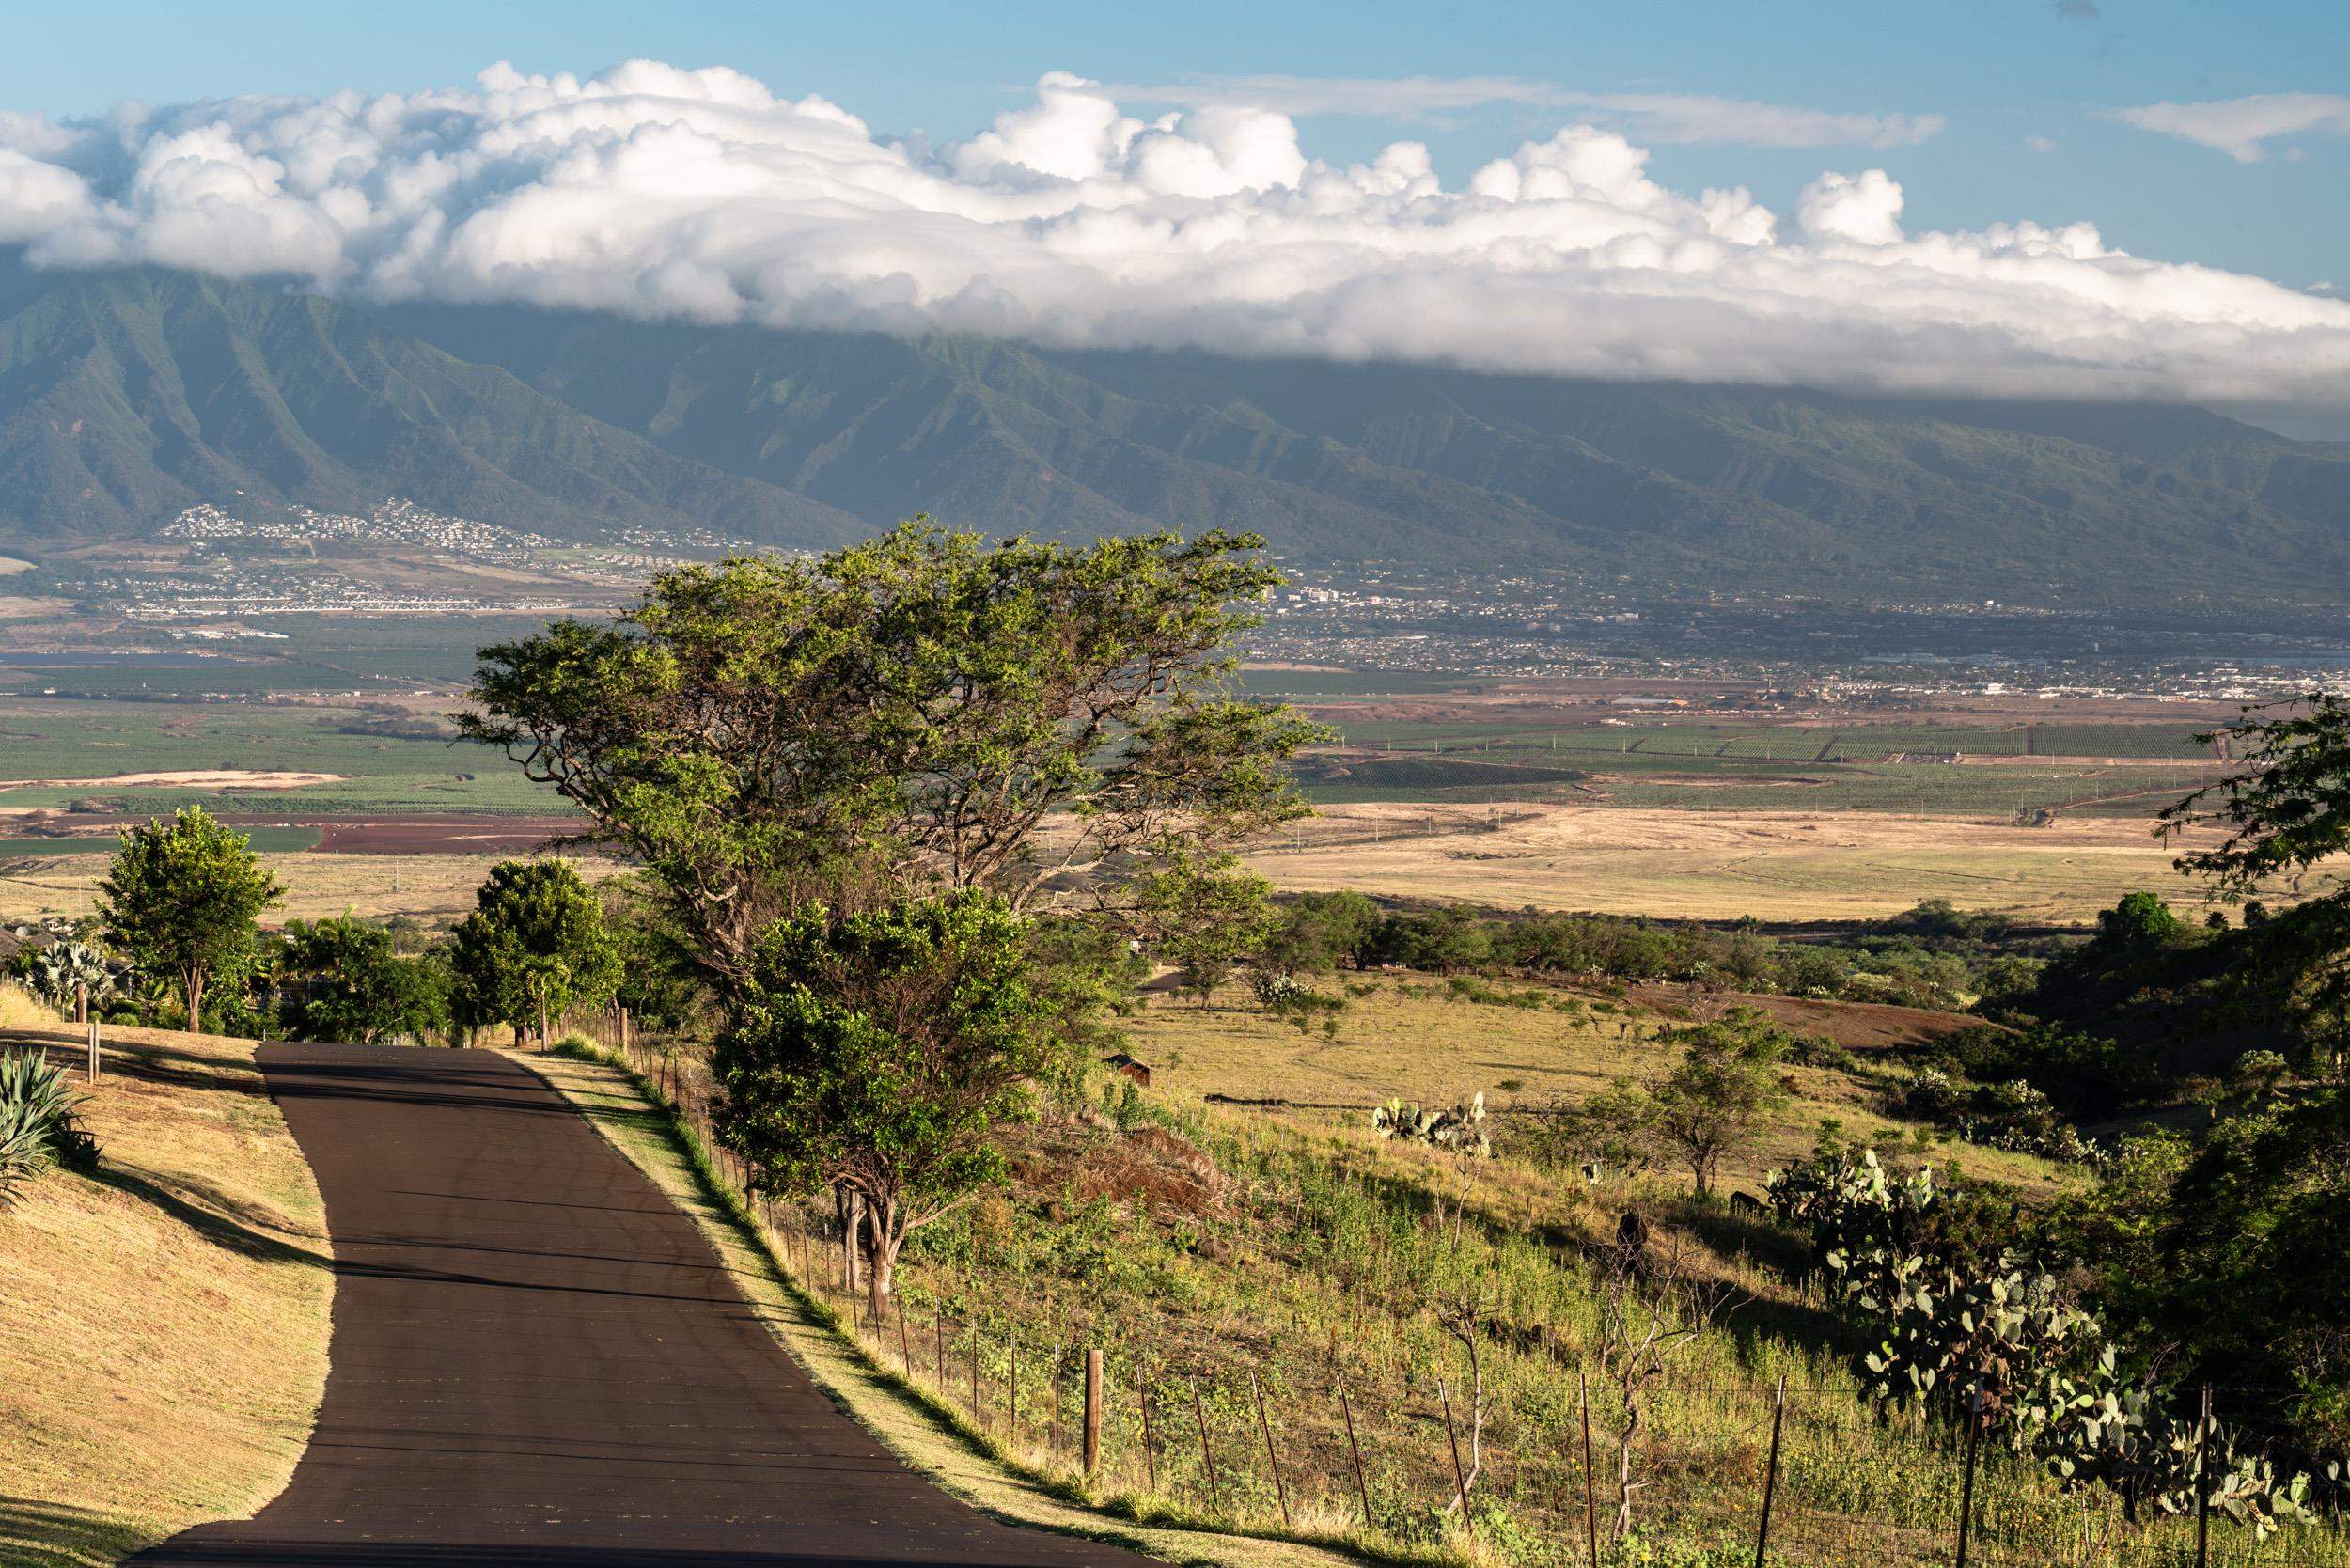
x=1632, y=1240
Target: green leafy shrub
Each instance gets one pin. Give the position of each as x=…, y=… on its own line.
x=2006, y=1347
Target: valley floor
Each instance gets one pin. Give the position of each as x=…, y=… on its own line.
x=1674, y=864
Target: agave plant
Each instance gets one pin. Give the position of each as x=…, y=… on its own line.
x=40, y=1124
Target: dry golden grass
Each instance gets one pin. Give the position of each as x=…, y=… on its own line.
x=20, y=1011
x=429, y=886
x=163, y=1343
x=1720, y=865
x=1436, y=1049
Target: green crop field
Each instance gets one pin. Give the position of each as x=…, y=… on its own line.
x=55, y=739
x=1742, y=765
x=266, y=840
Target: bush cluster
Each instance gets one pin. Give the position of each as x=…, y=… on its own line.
x=1933, y=956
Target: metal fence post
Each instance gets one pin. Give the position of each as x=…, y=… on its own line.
x=1966, y=1487
x=1355, y=1454
x=1460, y=1481
x=1150, y=1442
x=1207, y=1456
x=1279, y=1492
x=1591, y=1511
x=1770, y=1476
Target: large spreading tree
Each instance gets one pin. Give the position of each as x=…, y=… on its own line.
x=925, y=710
x=181, y=901
x=857, y=783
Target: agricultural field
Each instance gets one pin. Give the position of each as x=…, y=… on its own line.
x=114, y=757
x=435, y=889
x=1786, y=864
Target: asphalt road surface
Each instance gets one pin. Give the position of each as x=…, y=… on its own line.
x=538, y=1360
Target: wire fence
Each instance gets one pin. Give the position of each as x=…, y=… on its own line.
x=1277, y=1432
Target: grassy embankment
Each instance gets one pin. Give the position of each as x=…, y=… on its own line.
x=923, y=1430
x=163, y=1343
x=1231, y=1251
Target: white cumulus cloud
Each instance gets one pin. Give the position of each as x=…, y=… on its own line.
x=1071, y=221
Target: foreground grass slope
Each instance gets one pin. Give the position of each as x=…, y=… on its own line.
x=163, y=1343
x=921, y=1431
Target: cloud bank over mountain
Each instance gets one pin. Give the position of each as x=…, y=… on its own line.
x=656, y=191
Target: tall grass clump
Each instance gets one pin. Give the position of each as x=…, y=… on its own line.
x=40, y=1123
x=20, y=1010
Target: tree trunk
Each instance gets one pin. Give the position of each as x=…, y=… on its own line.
x=196, y=1000
x=542, y=1025
x=882, y=1237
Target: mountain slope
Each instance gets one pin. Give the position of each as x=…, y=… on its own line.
x=1670, y=485
x=125, y=396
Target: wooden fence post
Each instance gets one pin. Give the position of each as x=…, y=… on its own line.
x=93, y=1051
x=1770, y=1476
x=1355, y=1454
x=854, y=1216
x=975, y=1379
x=905, y=1344
x=1057, y=1402
x=2202, y=1484
x=1150, y=1447
x=1011, y=1386
x=1093, y=1409
x=1966, y=1486
x=1281, y=1493
x=1207, y=1455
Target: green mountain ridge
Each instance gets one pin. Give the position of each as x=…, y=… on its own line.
x=127, y=395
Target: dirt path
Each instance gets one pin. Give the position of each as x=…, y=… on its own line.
x=538, y=1360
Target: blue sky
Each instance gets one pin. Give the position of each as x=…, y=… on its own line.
x=2001, y=72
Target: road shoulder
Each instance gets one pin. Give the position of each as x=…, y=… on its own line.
x=874, y=1397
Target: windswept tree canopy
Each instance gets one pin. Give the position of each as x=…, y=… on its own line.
x=2286, y=813
x=2287, y=809
x=769, y=733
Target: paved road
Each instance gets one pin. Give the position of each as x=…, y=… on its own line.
x=537, y=1360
